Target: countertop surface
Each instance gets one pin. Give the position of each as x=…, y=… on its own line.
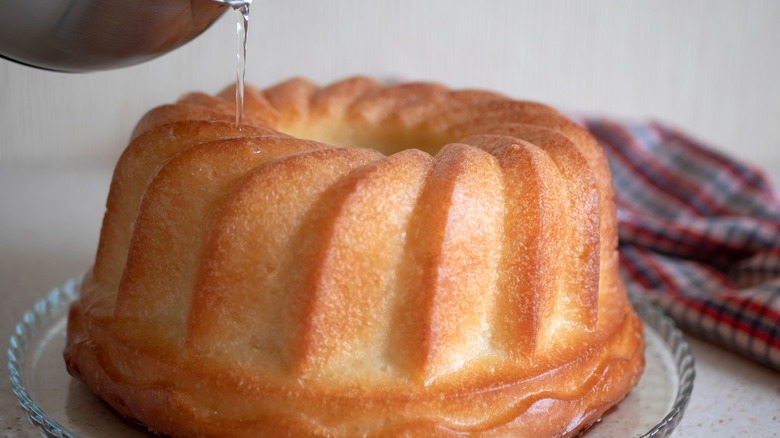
x=49, y=223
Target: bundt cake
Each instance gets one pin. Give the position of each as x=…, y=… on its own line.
x=358, y=260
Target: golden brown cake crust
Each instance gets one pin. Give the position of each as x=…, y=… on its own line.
x=459, y=277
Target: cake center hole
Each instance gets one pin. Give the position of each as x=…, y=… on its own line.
x=388, y=137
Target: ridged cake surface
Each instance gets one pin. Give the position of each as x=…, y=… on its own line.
x=358, y=259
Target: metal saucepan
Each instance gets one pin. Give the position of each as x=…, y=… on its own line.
x=90, y=35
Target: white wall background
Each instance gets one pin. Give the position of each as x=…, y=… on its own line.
x=711, y=67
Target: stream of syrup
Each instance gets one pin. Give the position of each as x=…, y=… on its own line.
x=241, y=8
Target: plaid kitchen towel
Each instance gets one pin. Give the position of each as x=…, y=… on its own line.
x=699, y=235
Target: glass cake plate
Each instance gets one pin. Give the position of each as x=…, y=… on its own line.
x=59, y=406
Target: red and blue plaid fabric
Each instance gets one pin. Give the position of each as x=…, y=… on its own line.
x=699, y=235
